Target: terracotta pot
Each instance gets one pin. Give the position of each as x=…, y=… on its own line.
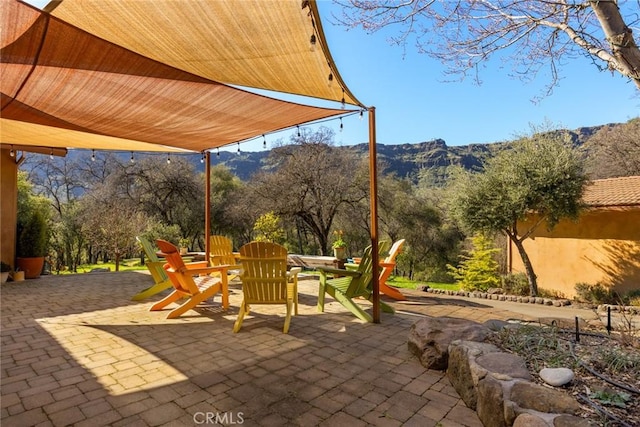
x=4, y=276
x=339, y=253
x=32, y=267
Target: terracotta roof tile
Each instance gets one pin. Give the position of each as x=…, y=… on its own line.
x=624, y=191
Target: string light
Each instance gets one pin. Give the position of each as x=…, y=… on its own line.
x=361, y=114
x=11, y=153
x=330, y=80
x=93, y=155
x=168, y=159
x=238, y=148
x=202, y=158
x=218, y=152
x=132, y=159
x=51, y=154
x=342, y=102
x=264, y=141
x=312, y=43
x=298, y=126
x=341, y=125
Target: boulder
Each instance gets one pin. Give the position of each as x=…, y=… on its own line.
x=429, y=338
x=529, y=420
x=556, y=377
x=528, y=395
x=463, y=373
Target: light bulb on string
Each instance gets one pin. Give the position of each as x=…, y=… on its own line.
x=238, y=148
x=361, y=115
x=342, y=102
x=298, y=126
x=264, y=141
x=132, y=159
x=168, y=159
x=341, y=125
x=51, y=154
x=11, y=152
x=330, y=80
x=218, y=152
x=93, y=155
x=312, y=43
x=202, y=158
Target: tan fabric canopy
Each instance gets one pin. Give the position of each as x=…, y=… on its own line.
x=152, y=75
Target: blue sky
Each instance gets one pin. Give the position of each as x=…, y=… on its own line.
x=414, y=105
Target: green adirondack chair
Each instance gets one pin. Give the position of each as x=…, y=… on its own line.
x=154, y=264
x=345, y=285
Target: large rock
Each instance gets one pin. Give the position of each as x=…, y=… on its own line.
x=543, y=399
x=463, y=372
x=429, y=338
x=491, y=402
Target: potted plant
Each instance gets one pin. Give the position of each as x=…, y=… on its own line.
x=32, y=243
x=339, y=245
x=5, y=269
x=184, y=246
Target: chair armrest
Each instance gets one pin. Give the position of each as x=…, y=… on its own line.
x=196, y=264
x=388, y=264
x=333, y=271
x=293, y=273
x=205, y=269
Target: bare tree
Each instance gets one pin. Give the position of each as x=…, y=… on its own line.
x=534, y=34
x=310, y=180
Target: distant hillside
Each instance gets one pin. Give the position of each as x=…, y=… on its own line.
x=403, y=160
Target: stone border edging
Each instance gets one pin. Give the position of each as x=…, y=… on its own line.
x=499, y=297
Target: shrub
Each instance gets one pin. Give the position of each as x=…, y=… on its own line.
x=479, y=270
x=595, y=293
x=515, y=284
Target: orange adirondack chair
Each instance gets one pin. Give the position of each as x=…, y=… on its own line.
x=191, y=281
x=387, y=268
x=265, y=279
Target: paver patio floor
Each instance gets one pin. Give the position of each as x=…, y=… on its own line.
x=77, y=351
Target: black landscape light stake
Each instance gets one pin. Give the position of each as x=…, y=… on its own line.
x=577, y=330
x=609, y=328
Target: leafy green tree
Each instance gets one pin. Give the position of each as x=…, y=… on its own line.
x=539, y=175
x=478, y=271
x=267, y=228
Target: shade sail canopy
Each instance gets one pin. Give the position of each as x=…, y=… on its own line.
x=155, y=75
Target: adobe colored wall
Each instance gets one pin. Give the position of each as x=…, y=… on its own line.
x=8, y=206
x=602, y=246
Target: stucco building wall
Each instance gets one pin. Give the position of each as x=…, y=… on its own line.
x=602, y=246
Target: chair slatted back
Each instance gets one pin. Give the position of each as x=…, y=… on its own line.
x=175, y=263
x=394, y=251
x=149, y=250
x=362, y=285
x=264, y=276
x=221, y=251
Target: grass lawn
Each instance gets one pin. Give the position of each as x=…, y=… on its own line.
x=125, y=265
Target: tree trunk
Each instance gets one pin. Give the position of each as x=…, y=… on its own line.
x=620, y=38
x=531, y=276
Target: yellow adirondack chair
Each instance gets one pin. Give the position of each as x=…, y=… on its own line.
x=265, y=280
x=190, y=281
x=154, y=264
x=221, y=253
x=346, y=285
x=387, y=268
